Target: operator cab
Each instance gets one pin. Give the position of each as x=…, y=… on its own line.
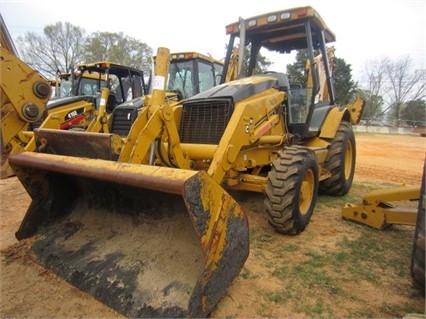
x=284, y=31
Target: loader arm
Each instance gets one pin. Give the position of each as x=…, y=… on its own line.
x=156, y=117
x=24, y=95
x=100, y=123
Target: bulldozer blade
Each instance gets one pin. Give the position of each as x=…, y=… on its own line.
x=123, y=233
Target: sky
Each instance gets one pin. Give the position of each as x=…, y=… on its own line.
x=366, y=30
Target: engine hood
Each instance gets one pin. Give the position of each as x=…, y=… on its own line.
x=239, y=89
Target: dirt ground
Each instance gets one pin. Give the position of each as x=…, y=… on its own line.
x=29, y=290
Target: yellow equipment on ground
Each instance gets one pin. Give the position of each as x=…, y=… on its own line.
x=379, y=210
x=143, y=222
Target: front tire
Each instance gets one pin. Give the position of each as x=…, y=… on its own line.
x=291, y=191
x=340, y=162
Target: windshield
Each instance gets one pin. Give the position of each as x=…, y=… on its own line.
x=90, y=86
x=180, y=78
x=192, y=77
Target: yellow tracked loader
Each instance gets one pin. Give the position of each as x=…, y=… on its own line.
x=145, y=223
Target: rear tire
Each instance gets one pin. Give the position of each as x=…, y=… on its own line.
x=417, y=267
x=291, y=191
x=340, y=162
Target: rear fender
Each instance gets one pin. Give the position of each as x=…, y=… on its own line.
x=332, y=121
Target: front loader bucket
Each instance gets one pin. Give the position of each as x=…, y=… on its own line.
x=122, y=232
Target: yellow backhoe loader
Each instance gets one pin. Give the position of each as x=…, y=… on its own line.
x=24, y=95
x=87, y=105
x=26, y=104
x=145, y=222
x=92, y=93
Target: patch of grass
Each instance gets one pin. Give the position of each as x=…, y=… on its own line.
x=259, y=237
x=6, y=260
x=313, y=273
x=264, y=311
x=247, y=274
x=397, y=310
x=258, y=253
x=313, y=310
x=352, y=198
x=281, y=272
x=316, y=279
x=328, y=203
x=265, y=237
x=289, y=248
x=277, y=297
x=356, y=259
x=374, y=250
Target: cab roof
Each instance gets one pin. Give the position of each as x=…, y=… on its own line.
x=113, y=68
x=190, y=55
x=282, y=31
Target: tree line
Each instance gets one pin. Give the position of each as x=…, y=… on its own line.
x=63, y=46
x=394, y=92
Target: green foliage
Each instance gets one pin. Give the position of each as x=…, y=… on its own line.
x=118, y=48
x=262, y=63
x=414, y=113
x=373, y=105
x=344, y=86
x=296, y=71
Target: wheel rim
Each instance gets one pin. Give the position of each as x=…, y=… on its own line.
x=306, y=192
x=348, y=160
